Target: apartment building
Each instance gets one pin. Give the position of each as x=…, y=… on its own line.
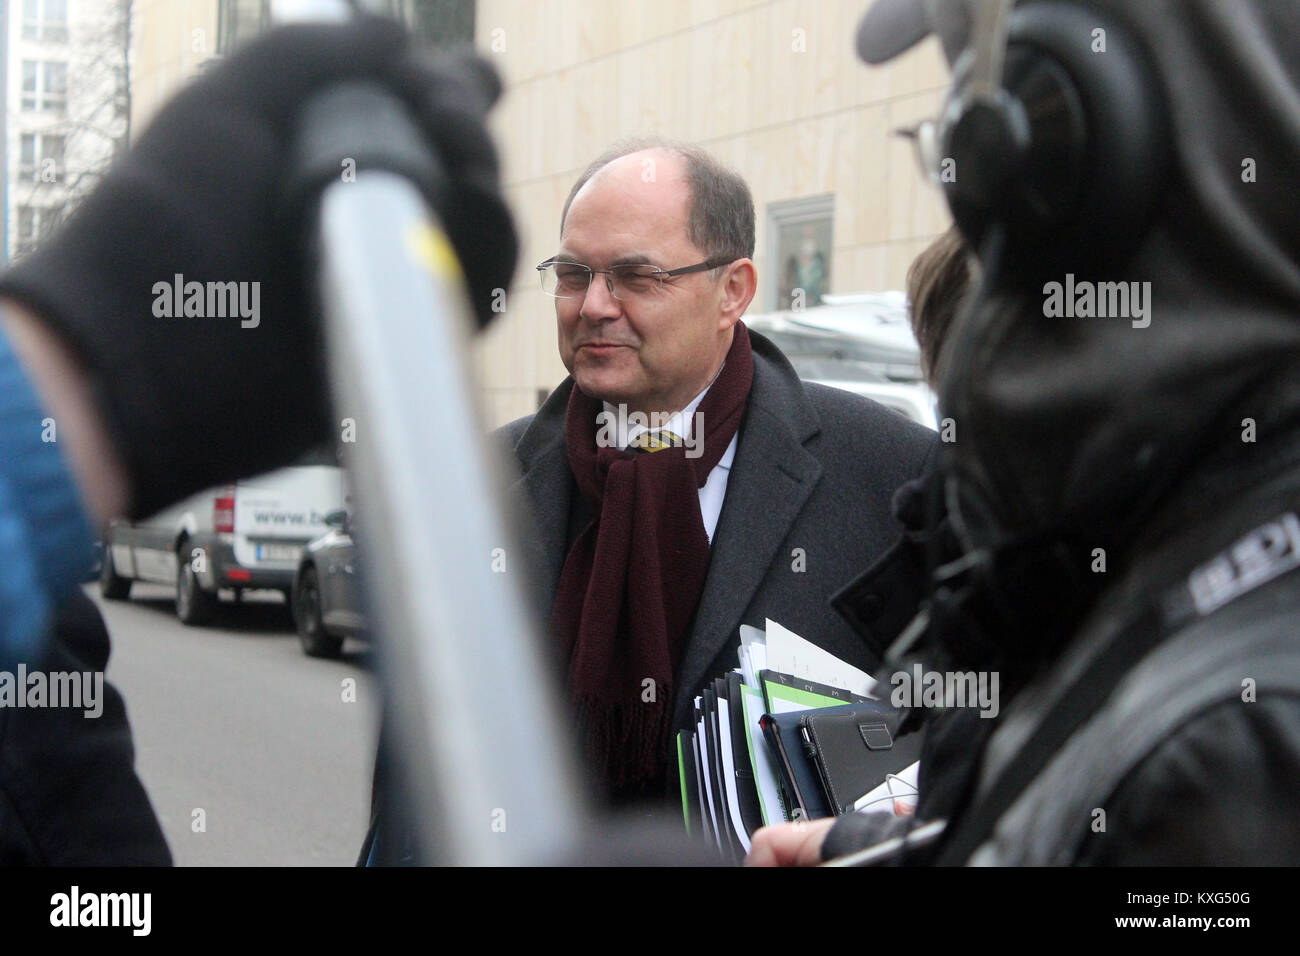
x=67, y=102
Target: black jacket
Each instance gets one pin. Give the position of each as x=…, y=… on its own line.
x=69, y=794
x=1124, y=481
x=1165, y=730
x=1192, y=753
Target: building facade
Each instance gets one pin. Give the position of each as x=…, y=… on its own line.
x=773, y=87
x=170, y=42
x=173, y=40
x=67, y=102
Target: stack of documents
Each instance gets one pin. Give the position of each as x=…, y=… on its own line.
x=793, y=733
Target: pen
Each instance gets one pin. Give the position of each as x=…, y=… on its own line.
x=773, y=734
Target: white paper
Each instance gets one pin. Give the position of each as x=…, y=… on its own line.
x=751, y=645
x=750, y=635
x=788, y=653
x=769, y=790
x=704, y=766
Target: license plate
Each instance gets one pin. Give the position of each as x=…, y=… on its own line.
x=278, y=552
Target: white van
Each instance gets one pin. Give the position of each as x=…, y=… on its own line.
x=233, y=538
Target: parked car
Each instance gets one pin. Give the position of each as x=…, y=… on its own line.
x=245, y=536
x=326, y=597
x=861, y=343
x=913, y=399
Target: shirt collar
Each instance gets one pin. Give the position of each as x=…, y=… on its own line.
x=681, y=423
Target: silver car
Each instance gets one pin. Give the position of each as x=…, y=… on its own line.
x=326, y=595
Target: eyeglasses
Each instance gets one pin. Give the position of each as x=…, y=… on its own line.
x=925, y=140
x=569, y=280
x=990, y=26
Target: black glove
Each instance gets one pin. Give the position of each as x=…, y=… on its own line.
x=192, y=401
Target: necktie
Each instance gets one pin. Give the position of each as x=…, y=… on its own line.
x=655, y=441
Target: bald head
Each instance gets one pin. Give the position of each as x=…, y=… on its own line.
x=720, y=211
x=650, y=187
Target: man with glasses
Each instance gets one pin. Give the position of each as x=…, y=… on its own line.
x=682, y=481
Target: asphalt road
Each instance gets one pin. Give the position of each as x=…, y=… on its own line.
x=234, y=720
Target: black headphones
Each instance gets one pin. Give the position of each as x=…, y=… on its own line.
x=1055, y=129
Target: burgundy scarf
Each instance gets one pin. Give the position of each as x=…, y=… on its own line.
x=634, y=576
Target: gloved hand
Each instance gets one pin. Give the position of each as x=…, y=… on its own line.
x=193, y=401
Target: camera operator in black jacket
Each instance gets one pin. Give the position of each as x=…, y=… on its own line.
x=1125, y=478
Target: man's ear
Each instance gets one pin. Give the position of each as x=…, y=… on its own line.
x=739, y=283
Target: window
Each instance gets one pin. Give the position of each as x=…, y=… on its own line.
x=435, y=22
x=45, y=20
x=438, y=23
x=52, y=148
x=799, y=244
x=238, y=21
x=27, y=159
x=45, y=85
x=26, y=223
x=34, y=224
x=41, y=157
